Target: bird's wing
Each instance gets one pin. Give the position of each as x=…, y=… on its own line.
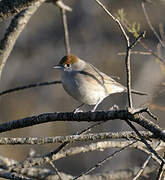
x=110, y=84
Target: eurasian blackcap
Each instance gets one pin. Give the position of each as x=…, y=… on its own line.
x=86, y=83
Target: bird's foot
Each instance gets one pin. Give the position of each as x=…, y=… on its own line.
x=77, y=110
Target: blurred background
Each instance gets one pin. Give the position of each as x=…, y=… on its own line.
x=96, y=38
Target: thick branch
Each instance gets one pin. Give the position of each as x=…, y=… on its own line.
x=85, y=116
x=9, y=8
x=15, y=28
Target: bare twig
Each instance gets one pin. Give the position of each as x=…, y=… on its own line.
x=151, y=114
x=128, y=71
x=66, y=34
x=145, y=142
x=65, y=26
x=153, y=53
x=150, y=25
x=56, y=170
x=144, y=165
x=128, y=27
x=63, y=9
x=135, y=52
x=128, y=65
x=161, y=30
x=129, y=48
x=160, y=173
x=61, y=5
x=146, y=110
x=99, y=164
x=29, y=86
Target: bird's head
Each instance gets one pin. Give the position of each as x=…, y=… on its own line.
x=70, y=62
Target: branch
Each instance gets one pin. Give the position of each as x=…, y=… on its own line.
x=15, y=28
x=29, y=86
x=85, y=117
x=99, y=146
x=128, y=50
x=24, y=169
x=127, y=58
x=73, y=138
x=9, y=8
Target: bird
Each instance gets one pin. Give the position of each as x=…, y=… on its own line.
x=85, y=83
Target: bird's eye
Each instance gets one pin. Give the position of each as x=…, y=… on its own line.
x=67, y=65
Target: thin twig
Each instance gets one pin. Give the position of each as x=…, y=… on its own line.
x=127, y=58
x=146, y=110
x=161, y=30
x=153, y=53
x=99, y=164
x=127, y=26
x=61, y=5
x=29, y=86
x=151, y=114
x=144, y=165
x=135, y=52
x=160, y=173
x=128, y=66
x=66, y=33
x=150, y=25
x=145, y=142
x=56, y=170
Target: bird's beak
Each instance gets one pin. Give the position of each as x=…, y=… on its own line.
x=58, y=67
